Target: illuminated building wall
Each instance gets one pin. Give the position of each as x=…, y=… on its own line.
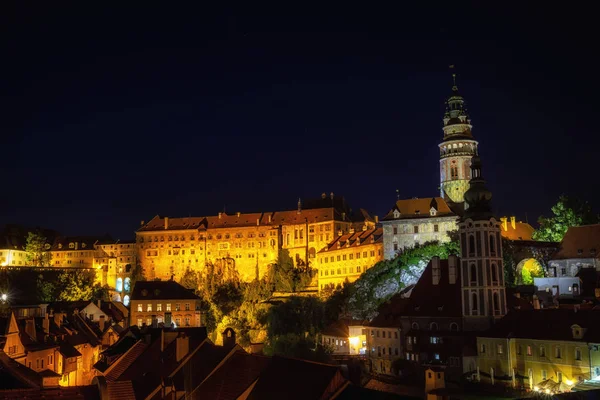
x=246, y=243
x=13, y=257
x=416, y=221
x=456, y=150
x=348, y=256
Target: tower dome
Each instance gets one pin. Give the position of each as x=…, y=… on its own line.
x=457, y=148
x=478, y=197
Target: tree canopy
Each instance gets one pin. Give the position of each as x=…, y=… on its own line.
x=38, y=250
x=567, y=212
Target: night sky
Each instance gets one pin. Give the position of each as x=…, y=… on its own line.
x=113, y=115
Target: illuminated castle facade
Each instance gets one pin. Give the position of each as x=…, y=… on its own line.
x=456, y=150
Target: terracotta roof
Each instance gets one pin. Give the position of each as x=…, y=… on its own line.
x=17, y=375
x=580, y=242
x=419, y=208
x=312, y=216
x=121, y=390
x=158, y=224
x=68, y=351
x=119, y=366
x=227, y=221
x=161, y=290
x=548, y=324
x=280, y=380
x=441, y=300
x=515, y=230
x=61, y=243
x=233, y=377
x=355, y=239
x=60, y=393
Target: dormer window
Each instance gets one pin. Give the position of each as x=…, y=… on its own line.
x=83, y=245
x=433, y=212
x=579, y=252
x=396, y=214
x=71, y=245
x=577, y=331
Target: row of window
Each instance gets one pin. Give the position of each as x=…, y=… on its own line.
x=381, y=351
x=377, y=332
x=341, y=271
x=343, y=257
x=176, y=238
x=433, y=326
x=558, y=353
x=39, y=363
x=159, y=307
x=148, y=321
x=474, y=250
x=415, y=229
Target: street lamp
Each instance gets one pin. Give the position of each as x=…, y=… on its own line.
x=4, y=296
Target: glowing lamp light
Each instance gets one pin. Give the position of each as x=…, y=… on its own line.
x=354, y=340
x=547, y=391
x=4, y=297
x=569, y=382
x=537, y=389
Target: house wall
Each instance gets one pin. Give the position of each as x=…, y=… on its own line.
x=384, y=346
x=347, y=263
x=158, y=308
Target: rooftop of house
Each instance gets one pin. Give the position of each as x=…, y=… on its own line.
x=513, y=230
x=426, y=207
x=161, y=290
x=355, y=239
x=71, y=243
x=59, y=393
x=580, y=242
x=549, y=324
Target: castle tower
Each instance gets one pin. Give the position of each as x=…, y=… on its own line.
x=457, y=148
x=482, y=270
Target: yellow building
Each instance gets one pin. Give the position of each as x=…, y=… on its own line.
x=245, y=243
x=12, y=257
x=531, y=348
x=166, y=302
x=348, y=256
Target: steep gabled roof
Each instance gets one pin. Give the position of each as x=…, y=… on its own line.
x=115, y=370
x=548, y=324
x=355, y=239
x=233, y=377
x=280, y=379
x=419, y=208
x=161, y=290
x=580, y=242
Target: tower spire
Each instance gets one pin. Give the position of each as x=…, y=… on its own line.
x=454, y=87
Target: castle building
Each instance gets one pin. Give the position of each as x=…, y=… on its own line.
x=453, y=299
x=482, y=277
x=416, y=221
x=456, y=149
x=244, y=243
x=349, y=255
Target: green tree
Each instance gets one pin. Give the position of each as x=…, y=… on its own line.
x=75, y=285
x=46, y=289
x=37, y=249
x=567, y=212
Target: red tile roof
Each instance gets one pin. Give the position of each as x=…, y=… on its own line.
x=233, y=377
x=520, y=230
x=161, y=290
x=580, y=242
x=355, y=239
x=419, y=208
x=60, y=393
x=118, y=367
x=121, y=390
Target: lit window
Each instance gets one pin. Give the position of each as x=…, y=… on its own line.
x=149, y=307
x=139, y=308
x=168, y=306
x=187, y=306
x=159, y=307
x=529, y=352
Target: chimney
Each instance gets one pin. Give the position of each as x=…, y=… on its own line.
x=101, y=323
x=376, y=219
x=166, y=223
x=46, y=324
x=331, y=195
x=504, y=221
x=299, y=206
x=228, y=338
x=343, y=216
x=99, y=304
x=536, y=302
x=452, y=264
x=373, y=238
x=513, y=222
x=257, y=221
x=182, y=346
x=220, y=215
x=30, y=328
x=238, y=214
x=435, y=269
x=269, y=218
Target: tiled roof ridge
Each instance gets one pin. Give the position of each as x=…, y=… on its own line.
x=117, y=368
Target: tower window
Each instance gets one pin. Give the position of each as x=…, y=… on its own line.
x=474, y=303
x=492, y=245
x=473, y=277
x=471, y=245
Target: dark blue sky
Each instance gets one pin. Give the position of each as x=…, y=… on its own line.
x=113, y=115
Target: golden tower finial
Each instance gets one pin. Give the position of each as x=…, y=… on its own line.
x=454, y=87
